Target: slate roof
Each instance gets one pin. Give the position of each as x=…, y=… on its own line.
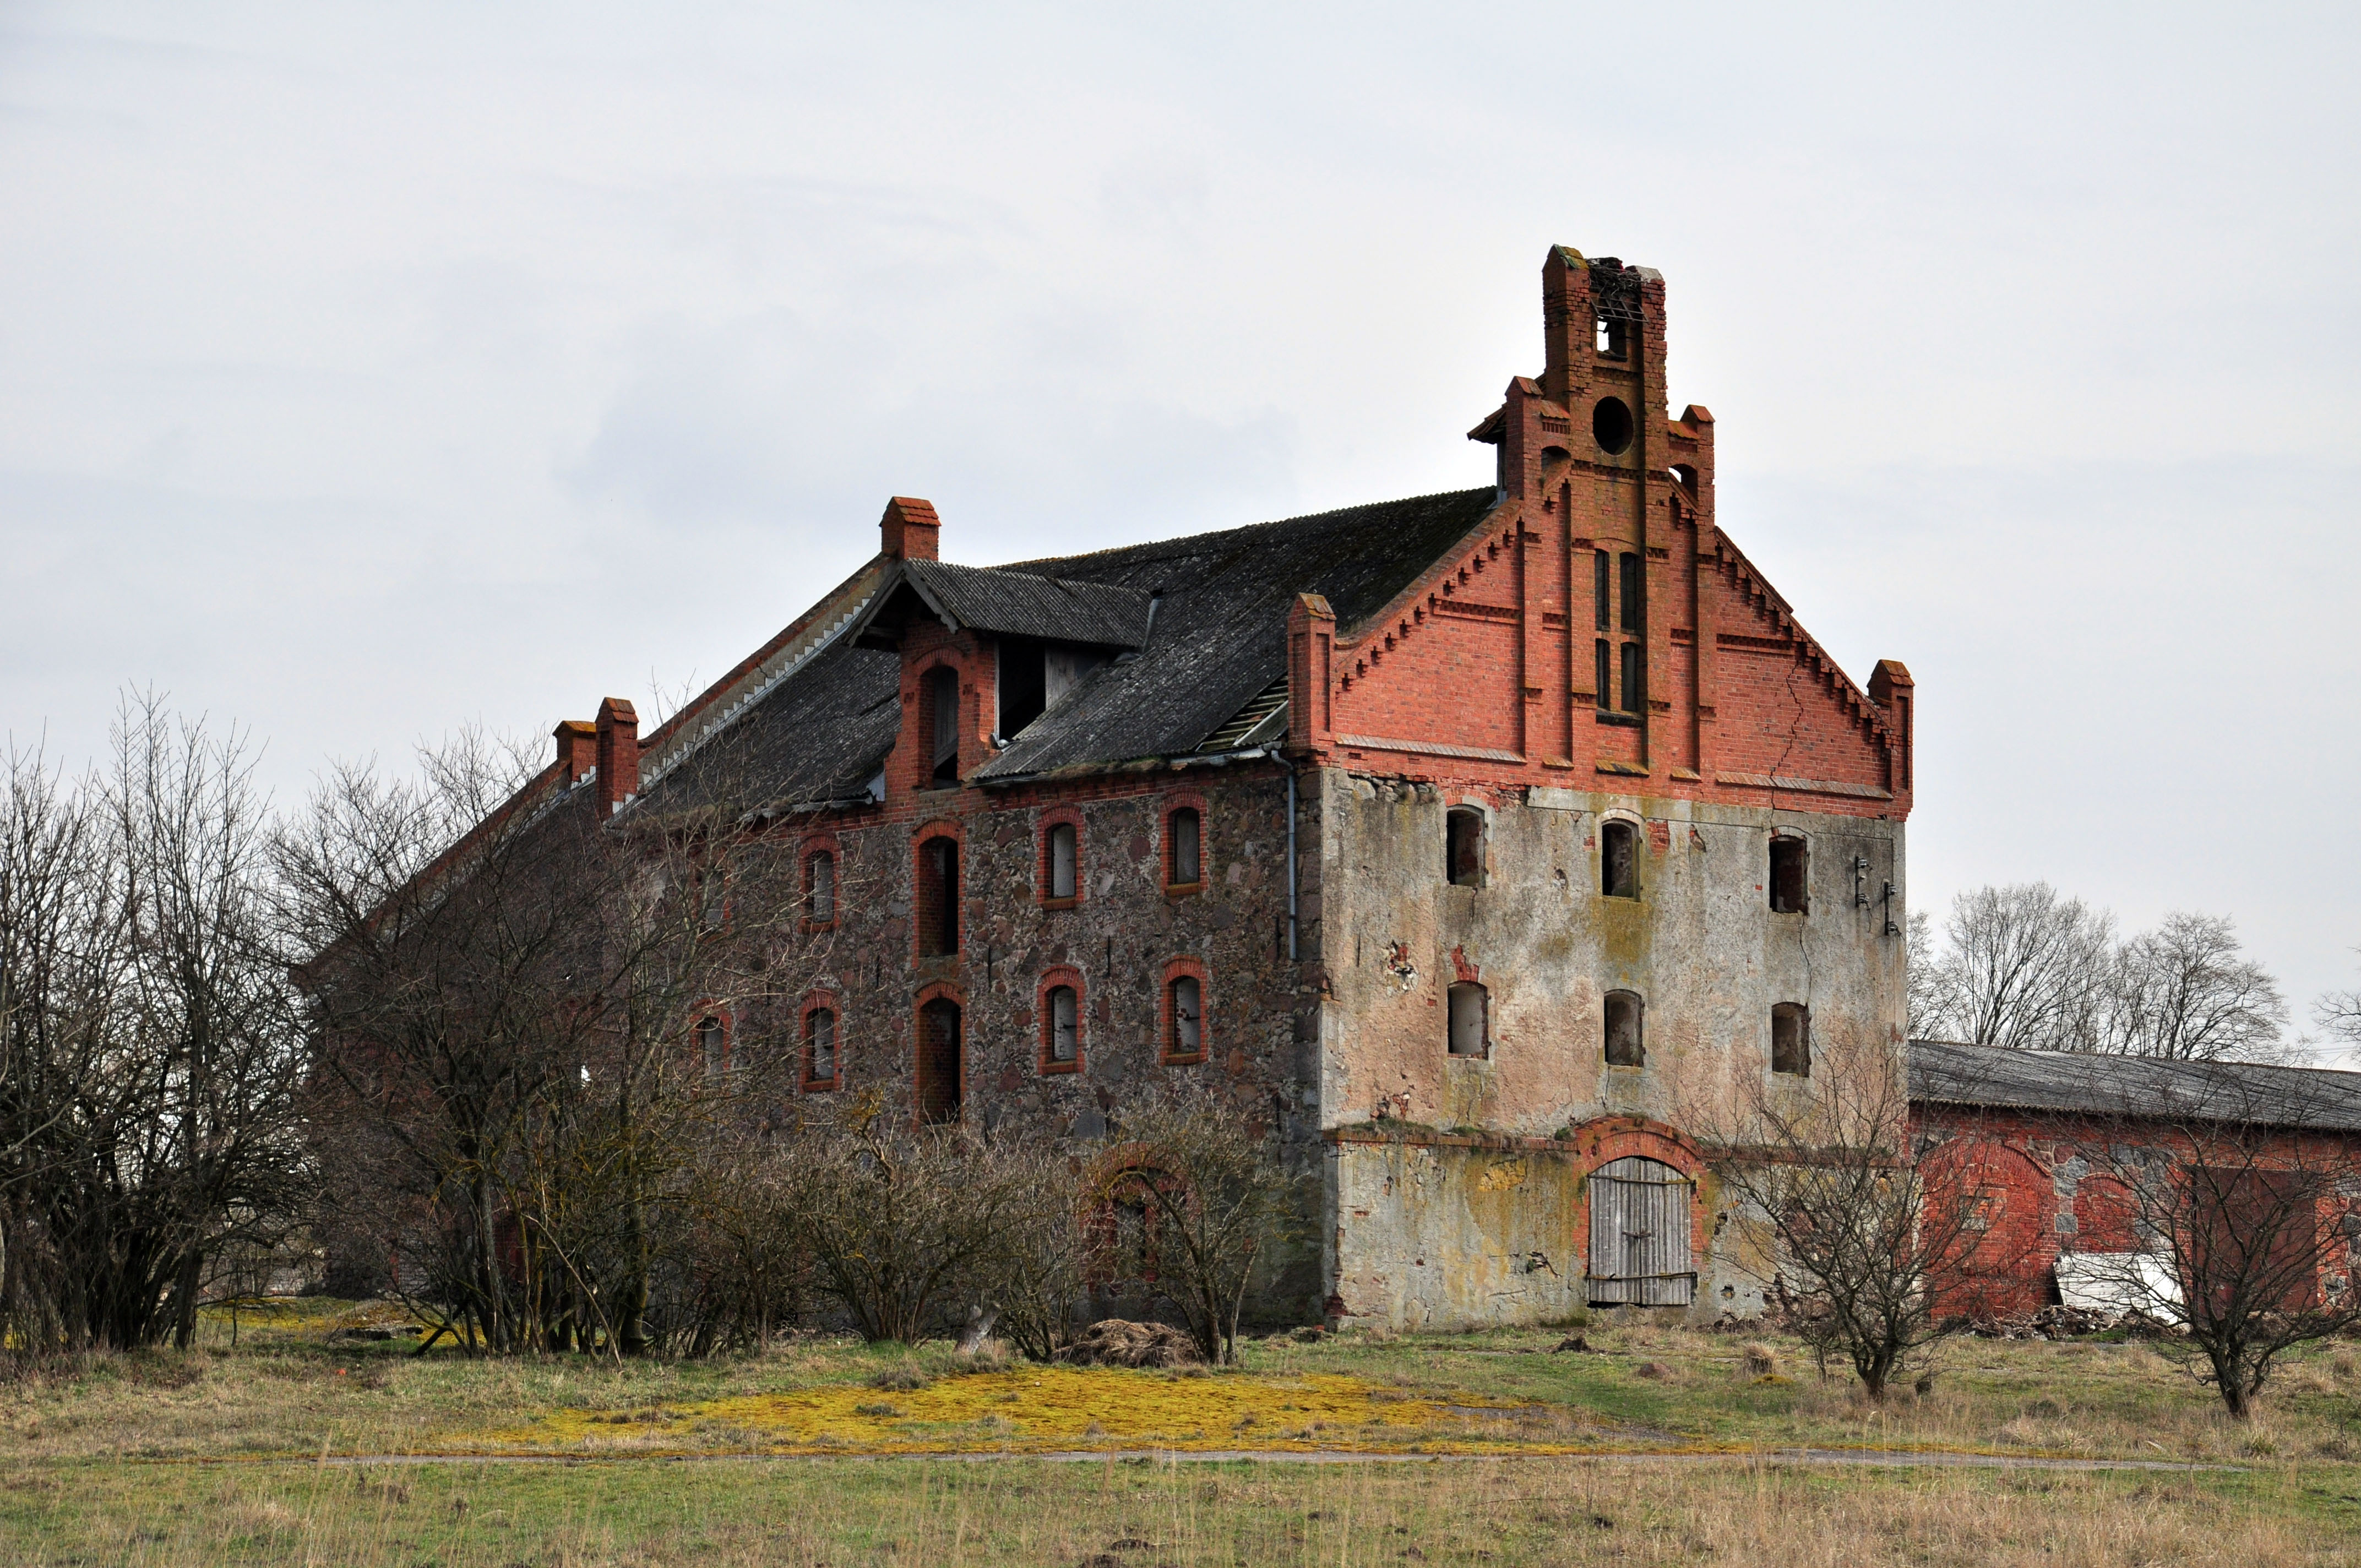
x=1218, y=641
x=2232, y=1093
x=1010, y=604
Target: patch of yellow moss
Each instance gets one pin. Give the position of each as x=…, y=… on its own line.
x=1053, y=1408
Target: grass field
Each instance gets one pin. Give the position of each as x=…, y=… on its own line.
x=254, y=1454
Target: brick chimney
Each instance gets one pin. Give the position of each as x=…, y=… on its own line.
x=910, y=530
x=619, y=754
x=577, y=749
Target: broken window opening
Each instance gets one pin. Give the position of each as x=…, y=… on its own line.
x=1470, y=1033
x=820, y=1046
x=1184, y=831
x=939, y=1065
x=942, y=725
x=1791, y=1040
x=1788, y=883
x=1063, y=861
x=1614, y=340
x=713, y=1045
x=1619, y=860
x=820, y=889
x=1463, y=847
x=1625, y=1047
x=1635, y=679
x=1606, y=674
x=1602, y=590
x=938, y=902
x=1186, y=1005
x=1065, y=1025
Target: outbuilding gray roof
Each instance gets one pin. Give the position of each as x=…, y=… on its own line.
x=2241, y=1093
x=1218, y=642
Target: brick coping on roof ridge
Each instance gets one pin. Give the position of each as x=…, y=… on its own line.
x=1040, y=561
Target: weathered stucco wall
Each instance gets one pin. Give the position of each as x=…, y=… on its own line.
x=1701, y=945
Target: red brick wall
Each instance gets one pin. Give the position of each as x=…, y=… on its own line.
x=2056, y=1192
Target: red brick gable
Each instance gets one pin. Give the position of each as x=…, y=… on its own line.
x=1603, y=554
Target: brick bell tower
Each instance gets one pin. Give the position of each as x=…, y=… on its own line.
x=1620, y=498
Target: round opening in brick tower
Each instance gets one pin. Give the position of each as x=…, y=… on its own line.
x=1611, y=423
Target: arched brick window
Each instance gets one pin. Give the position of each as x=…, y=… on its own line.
x=1186, y=1032
x=1060, y=874
x=1062, y=1015
x=941, y=1055
x=1184, y=848
x=823, y=1042
x=710, y=1036
x=934, y=894
x=820, y=889
x=939, y=726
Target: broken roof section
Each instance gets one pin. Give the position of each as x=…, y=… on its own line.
x=1217, y=647
x=1006, y=604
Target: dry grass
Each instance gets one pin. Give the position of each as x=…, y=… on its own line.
x=300, y=1385
x=1141, y=1515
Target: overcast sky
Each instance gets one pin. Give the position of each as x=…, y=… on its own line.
x=365, y=371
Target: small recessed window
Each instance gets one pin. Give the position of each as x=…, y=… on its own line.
x=820, y=1044
x=1635, y=679
x=713, y=1045
x=1602, y=591
x=1634, y=585
x=1619, y=860
x=1185, y=831
x=713, y=904
x=1791, y=1040
x=1186, y=1002
x=1469, y=1034
x=1605, y=673
x=1625, y=1047
x=1463, y=847
x=1788, y=863
x=820, y=889
x=1061, y=861
x=1065, y=1024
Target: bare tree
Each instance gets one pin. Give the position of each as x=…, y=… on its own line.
x=2229, y=1221
x=149, y=1040
x=1871, y=1246
x=2338, y=1014
x=1223, y=1206
x=2022, y=967
x=2187, y=992
x=534, y=1021
x=1923, y=969
x=905, y=1224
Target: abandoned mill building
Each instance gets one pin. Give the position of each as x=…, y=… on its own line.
x=1483, y=845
